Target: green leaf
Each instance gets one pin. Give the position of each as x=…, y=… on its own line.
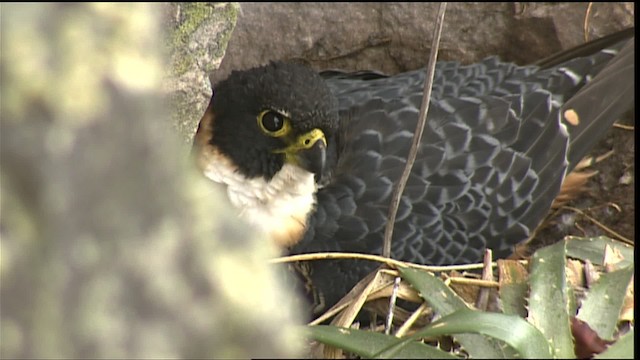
x=433, y=290
x=445, y=301
x=601, y=308
x=511, y=329
x=592, y=249
x=622, y=349
x=368, y=343
x=548, y=300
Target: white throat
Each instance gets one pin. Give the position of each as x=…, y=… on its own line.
x=278, y=207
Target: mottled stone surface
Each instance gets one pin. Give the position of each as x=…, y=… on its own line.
x=394, y=37
x=111, y=245
x=196, y=38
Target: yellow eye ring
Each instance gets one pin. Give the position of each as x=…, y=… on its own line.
x=274, y=123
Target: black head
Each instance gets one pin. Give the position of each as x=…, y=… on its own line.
x=273, y=114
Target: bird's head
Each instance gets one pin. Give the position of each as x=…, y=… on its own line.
x=269, y=116
x=269, y=135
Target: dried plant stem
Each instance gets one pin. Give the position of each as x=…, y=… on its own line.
x=487, y=275
x=624, y=127
x=600, y=225
x=392, y=306
x=474, y=282
x=411, y=320
x=377, y=258
x=587, y=15
x=417, y=136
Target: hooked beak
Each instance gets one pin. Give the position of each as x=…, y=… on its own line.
x=308, y=151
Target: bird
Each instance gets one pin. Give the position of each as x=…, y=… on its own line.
x=310, y=159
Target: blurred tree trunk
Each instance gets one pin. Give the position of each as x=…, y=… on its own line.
x=111, y=245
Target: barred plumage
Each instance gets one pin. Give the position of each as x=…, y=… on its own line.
x=495, y=151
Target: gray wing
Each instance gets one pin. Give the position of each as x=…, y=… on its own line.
x=493, y=156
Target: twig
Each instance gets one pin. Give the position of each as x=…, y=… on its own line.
x=417, y=137
x=487, y=274
x=392, y=305
x=582, y=230
x=607, y=204
x=377, y=258
x=474, y=282
x=586, y=22
x=614, y=205
x=601, y=225
x=411, y=320
x=624, y=127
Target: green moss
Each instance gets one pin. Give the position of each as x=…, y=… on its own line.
x=219, y=19
x=229, y=13
x=181, y=62
x=193, y=15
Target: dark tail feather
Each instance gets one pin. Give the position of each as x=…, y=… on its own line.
x=607, y=97
x=586, y=49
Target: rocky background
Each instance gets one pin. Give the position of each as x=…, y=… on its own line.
x=111, y=245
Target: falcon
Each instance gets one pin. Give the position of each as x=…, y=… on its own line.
x=311, y=159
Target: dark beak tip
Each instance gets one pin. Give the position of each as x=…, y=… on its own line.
x=314, y=158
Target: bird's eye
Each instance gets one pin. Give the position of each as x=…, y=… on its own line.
x=273, y=123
